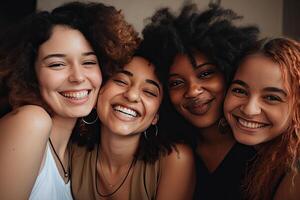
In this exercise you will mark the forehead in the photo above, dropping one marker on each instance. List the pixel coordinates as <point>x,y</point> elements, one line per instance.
<point>64,38</point>
<point>141,68</point>
<point>260,71</point>
<point>183,63</point>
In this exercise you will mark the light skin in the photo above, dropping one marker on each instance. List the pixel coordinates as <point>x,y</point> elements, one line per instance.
<point>127,105</point>
<point>197,93</point>
<point>69,77</point>
<point>257,103</point>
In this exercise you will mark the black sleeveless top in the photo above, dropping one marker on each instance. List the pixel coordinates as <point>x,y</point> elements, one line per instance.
<point>226,181</point>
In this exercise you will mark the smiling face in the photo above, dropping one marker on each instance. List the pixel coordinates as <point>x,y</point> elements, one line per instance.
<point>198,92</point>
<point>68,73</point>
<point>257,103</point>
<point>129,101</point>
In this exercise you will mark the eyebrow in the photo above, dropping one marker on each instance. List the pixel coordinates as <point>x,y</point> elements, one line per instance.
<point>153,83</point>
<point>203,64</point>
<point>267,89</point>
<point>197,67</point>
<point>239,82</point>
<point>128,73</point>
<point>275,89</point>
<point>60,55</point>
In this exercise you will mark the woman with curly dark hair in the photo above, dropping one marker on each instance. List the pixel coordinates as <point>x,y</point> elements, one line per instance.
<point>198,53</point>
<point>263,109</point>
<point>52,65</point>
<point>132,157</point>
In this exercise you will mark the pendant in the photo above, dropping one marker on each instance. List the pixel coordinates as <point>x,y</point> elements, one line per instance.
<point>66,175</point>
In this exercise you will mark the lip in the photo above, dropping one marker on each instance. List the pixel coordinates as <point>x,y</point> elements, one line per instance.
<point>199,107</point>
<point>124,115</point>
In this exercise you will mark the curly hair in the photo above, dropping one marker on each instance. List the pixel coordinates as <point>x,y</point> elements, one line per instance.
<point>211,32</point>
<point>103,26</point>
<point>281,155</point>
<point>155,145</point>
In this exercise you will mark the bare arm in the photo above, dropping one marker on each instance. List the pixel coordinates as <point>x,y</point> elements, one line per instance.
<point>178,177</point>
<point>288,190</point>
<point>23,137</point>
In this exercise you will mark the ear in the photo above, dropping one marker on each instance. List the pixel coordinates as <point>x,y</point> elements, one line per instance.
<point>155,119</point>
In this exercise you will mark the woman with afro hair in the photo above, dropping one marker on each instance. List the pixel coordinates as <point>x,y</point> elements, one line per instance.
<point>198,53</point>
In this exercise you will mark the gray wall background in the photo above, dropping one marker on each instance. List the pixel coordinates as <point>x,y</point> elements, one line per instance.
<point>267,14</point>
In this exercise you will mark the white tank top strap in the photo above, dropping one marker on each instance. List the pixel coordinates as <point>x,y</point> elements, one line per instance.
<point>49,185</point>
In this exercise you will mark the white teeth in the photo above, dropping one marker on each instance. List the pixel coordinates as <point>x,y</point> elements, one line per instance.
<point>75,95</point>
<point>127,111</point>
<point>250,124</point>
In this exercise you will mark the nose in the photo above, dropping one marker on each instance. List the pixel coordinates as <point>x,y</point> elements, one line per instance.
<point>132,94</point>
<point>76,74</point>
<point>193,90</point>
<point>251,107</point>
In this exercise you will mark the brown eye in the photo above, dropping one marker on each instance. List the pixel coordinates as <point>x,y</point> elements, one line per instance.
<point>205,74</point>
<point>239,92</point>
<point>175,83</point>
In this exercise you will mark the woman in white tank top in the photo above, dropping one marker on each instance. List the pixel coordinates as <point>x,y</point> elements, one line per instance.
<point>50,64</point>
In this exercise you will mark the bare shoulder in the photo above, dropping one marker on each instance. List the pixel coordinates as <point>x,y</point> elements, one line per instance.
<point>29,118</point>
<point>181,153</point>
<point>177,179</point>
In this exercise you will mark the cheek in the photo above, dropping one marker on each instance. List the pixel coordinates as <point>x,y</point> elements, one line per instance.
<point>229,103</point>
<point>96,78</point>
<point>176,97</point>
<point>280,117</point>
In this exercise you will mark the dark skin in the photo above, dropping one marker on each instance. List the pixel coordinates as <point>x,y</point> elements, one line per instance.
<point>197,93</point>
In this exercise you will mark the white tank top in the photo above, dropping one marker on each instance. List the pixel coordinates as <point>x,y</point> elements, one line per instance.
<point>49,185</point>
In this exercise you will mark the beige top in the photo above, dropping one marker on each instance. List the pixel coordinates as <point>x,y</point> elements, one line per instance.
<point>144,181</point>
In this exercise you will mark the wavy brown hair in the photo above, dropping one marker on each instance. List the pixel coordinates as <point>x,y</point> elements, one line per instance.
<point>281,155</point>
<point>104,27</point>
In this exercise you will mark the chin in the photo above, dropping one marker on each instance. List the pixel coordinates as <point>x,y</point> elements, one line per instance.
<point>246,140</point>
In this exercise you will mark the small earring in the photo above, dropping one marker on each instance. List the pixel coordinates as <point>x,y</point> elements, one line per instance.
<point>156,132</point>
<point>92,121</point>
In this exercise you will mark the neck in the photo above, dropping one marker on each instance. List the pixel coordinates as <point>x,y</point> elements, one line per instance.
<point>60,134</point>
<point>117,151</point>
<point>213,136</point>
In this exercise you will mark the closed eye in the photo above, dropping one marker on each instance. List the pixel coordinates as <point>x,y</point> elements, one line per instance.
<point>120,82</point>
<point>151,93</point>
<point>90,63</point>
<point>56,65</point>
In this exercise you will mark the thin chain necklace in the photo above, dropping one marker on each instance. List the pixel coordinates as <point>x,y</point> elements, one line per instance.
<point>104,177</point>
<point>66,172</point>
<point>121,184</point>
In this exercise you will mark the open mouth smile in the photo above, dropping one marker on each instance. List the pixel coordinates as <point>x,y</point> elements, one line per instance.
<point>249,123</point>
<point>75,95</point>
<point>126,111</point>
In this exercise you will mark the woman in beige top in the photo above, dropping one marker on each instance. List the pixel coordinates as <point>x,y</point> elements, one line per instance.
<point>133,158</point>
